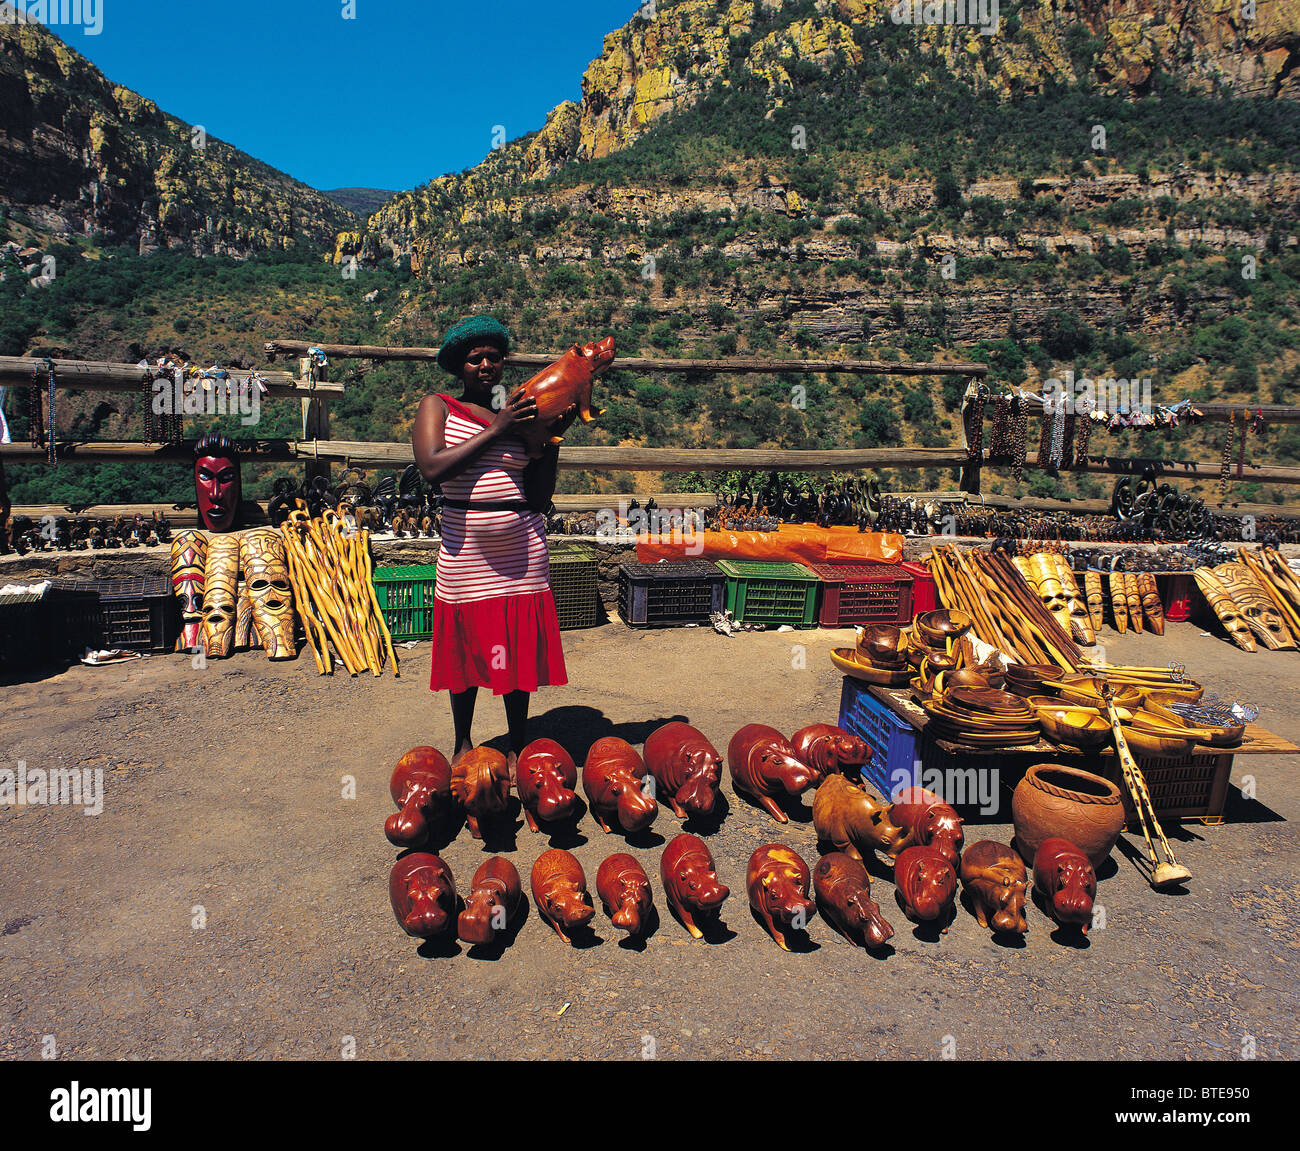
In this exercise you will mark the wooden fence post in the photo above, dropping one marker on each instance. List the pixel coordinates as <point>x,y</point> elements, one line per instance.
<point>315,419</point>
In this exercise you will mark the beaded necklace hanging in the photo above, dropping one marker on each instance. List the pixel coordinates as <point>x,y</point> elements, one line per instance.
<point>1000,440</point>
<point>973,421</point>
<point>1058,431</point>
<point>1226,464</point>
<point>1019,433</point>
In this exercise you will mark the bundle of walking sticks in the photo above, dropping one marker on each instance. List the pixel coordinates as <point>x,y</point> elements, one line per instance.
<point>329,566</point>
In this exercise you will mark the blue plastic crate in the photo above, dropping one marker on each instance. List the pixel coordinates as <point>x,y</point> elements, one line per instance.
<point>893,740</point>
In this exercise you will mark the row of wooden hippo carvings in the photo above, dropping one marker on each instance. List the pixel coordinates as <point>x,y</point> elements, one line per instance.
<point>679,766</point>
<point>423,891</point>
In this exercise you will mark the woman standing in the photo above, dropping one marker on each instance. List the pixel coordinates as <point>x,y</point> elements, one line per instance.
<point>494,621</point>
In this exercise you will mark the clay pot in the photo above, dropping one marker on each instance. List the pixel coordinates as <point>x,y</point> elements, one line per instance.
<point>1056,801</point>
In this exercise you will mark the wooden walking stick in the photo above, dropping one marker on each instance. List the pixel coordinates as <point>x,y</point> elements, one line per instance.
<point>1170,872</point>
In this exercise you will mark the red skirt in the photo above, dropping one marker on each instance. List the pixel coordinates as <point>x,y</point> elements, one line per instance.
<point>508,643</point>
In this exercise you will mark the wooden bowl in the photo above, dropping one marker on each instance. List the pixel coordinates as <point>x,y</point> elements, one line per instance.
<point>882,642</point>
<point>936,627</point>
<point>1081,728</point>
<point>842,658</point>
<point>1157,746</point>
<point>1212,735</point>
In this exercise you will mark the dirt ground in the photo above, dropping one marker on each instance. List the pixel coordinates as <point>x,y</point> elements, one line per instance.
<point>231,899</point>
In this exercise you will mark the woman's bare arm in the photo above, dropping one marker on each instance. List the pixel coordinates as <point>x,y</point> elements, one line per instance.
<point>436,462</point>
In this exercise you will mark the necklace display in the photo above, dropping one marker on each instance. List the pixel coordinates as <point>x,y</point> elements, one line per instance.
<point>973,421</point>
<point>1019,433</point>
<point>1082,433</point>
<point>1226,464</point>
<point>1058,431</point>
<point>1000,440</point>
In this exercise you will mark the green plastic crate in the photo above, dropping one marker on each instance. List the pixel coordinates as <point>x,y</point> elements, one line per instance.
<point>574,586</point>
<point>776,593</point>
<point>405,596</point>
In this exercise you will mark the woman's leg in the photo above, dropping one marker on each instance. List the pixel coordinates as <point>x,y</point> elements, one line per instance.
<point>462,717</point>
<point>517,721</point>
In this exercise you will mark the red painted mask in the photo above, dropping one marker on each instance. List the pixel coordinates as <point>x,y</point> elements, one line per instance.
<point>217,487</point>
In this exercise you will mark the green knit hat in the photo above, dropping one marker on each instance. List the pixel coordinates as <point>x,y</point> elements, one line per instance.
<point>470,333</point>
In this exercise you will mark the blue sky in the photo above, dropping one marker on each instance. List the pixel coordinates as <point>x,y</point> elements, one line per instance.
<point>401,93</point>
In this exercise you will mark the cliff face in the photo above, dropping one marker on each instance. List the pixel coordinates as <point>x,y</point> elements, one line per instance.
<point>668,62</point>
<point>81,155</point>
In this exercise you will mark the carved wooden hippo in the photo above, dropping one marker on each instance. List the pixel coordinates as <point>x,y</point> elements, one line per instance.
<point>423,894</point>
<point>565,386</point>
<point>546,776</point>
<point>852,820</point>
<point>480,783</point>
<point>560,891</point>
<point>492,903</point>
<point>690,881</point>
<point>624,890</point>
<point>686,768</point>
<point>1066,881</point>
<point>843,890</point>
<point>994,875</point>
<point>926,885</point>
<point>928,820</point>
<point>828,749</point>
<point>611,777</point>
<point>763,764</point>
<point>420,782</point>
<point>777,880</point>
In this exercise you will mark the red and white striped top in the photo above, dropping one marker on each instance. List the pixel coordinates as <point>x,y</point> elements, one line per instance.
<point>486,554</point>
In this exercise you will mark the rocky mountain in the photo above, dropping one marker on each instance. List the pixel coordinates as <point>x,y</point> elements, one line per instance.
<point>82,156</point>
<point>673,55</point>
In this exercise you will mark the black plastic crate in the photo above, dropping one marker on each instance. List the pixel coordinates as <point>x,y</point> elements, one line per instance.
<point>669,594</point>
<point>575,586</point>
<point>140,614</point>
<point>37,630</point>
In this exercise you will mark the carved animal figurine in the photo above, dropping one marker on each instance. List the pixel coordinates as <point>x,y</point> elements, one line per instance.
<point>927,820</point>
<point>624,890</point>
<point>926,884</point>
<point>690,881</point>
<point>480,783</point>
<point>853,820</point>
<point>777,879</point>
<point>611,777</point>
<point>560,891</point>
<point>423,894</point>
<point>563,387</point>
<point>1066,881</point>
<point>828,749</point>
<point>494,898</point>
<point>995,877</point>
<point>686,768</point>
<point>762,763</point>
<point>843,890</point>
<point>421,781</point>
<point>546,775</point>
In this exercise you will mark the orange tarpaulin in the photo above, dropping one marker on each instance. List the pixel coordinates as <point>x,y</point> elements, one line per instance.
<point>797,543</point>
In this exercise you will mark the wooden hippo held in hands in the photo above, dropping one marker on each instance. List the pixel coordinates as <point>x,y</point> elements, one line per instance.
<point>423,894</point>
<point>611,777</point>
<point>828,749</point>
<point>624,890</point>
<point>546,776</point>
<point>777,879</point>
<point>926,884</point>
<point>420,782</point>
<point>560,891</point>
<point>1066,881</point>
<point>929,821</point>
<point>994,875</point>
<point>762,764</point>
<point>690,882</point>
<point>480,783</point>
<point>852,820</point>
<point>843,890</point>
<point>494,899</point>
<point>686,768</point>
<point>564,387</point>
